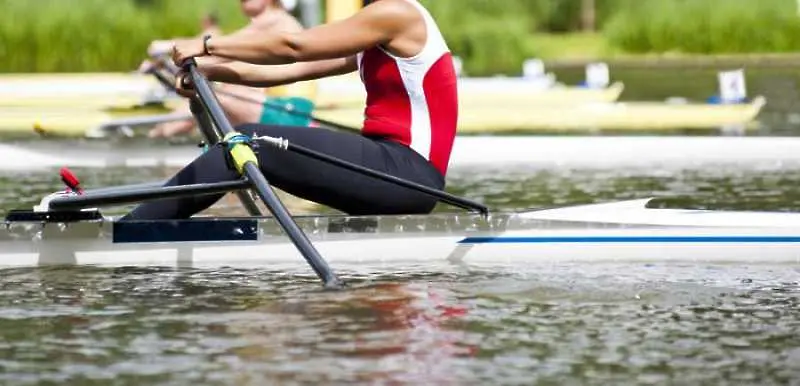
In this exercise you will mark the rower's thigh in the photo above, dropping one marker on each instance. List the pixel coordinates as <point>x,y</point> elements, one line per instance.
<point>335,186</point>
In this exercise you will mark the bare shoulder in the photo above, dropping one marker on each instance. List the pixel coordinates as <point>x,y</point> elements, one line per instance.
<point>392,10</point>
<point>281,22</point>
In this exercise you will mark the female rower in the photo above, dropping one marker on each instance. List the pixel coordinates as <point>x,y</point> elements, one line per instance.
<point>239,102</point>
<point>409,121</point>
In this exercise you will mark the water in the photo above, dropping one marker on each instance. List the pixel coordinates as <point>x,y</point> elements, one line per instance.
<point>431,324</point>
<point>554,324</point>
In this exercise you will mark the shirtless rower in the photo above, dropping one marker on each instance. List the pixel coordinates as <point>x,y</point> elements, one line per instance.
<point>266,16</point>
<point>409,121</point>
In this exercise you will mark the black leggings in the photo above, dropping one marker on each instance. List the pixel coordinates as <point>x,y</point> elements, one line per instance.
<point>314,180</point>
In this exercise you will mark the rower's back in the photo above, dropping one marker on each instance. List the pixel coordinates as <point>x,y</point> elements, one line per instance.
<point>413,100</point>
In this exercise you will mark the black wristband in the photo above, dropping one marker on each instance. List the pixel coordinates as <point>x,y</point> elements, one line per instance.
<point>205,44</point>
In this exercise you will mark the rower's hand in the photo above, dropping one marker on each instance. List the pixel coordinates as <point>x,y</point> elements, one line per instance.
<point>159,48</point>
<point>183,85</point>
<point>187,49</point>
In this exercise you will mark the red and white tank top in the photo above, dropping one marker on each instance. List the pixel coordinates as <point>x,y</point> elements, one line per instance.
<point>413,101</point>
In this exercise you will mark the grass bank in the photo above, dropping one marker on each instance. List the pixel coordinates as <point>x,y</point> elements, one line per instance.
<point>96,35</point>
<point>491,36</point>
<point>705,27</point>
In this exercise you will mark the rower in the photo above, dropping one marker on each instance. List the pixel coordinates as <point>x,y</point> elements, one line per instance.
<point>410,117</point>
<point>244,104</point>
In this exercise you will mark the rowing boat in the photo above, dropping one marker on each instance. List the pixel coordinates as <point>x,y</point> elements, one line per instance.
<point>123,90</point>
<point>98,90</point>
<point>348,92</point>
<point>63,229</point>
<point>618,231</point>
<point>627,116</point>
<point>621,117</point>
<point>83,122</point>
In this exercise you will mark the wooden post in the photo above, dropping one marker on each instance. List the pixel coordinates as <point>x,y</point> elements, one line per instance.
<point>588,15</point>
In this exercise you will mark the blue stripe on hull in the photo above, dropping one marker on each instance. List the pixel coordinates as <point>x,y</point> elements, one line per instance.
<point>184,231</point>
<point>630,239</point>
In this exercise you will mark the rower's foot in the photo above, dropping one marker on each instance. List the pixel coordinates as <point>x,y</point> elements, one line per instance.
<point>171,129</point>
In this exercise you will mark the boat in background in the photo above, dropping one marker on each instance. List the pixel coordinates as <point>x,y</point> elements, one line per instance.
<point>347,92</point>
<point>83,90</point>
<point>73,122</point>
<point>487,105</point>
<point>121,90</point>
<point>588,118</point>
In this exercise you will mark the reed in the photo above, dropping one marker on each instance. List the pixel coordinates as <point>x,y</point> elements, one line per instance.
<point>490,38</point>
<point>705,27</point>
<point>95,35</point>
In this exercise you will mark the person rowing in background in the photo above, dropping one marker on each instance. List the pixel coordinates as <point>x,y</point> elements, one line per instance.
<point>409,123</point>
<point>266,16</point>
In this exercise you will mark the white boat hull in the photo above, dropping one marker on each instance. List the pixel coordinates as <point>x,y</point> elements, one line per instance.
<point>556,236</point>
<point>664,246</point>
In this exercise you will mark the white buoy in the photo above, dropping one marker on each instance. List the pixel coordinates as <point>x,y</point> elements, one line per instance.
<point>732,87</point>
<point>533,69</point>
<point>597,75</point>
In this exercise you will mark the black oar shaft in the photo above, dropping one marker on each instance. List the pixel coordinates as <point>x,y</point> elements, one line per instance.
<point>260,184</point>
<point>144,192</point>
<point>303,244</point>
<point>212,137</point>
<point>441,195</point>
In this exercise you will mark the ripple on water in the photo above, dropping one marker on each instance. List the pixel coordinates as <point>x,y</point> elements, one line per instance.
<point>567,323</point>
<point>562,323</point>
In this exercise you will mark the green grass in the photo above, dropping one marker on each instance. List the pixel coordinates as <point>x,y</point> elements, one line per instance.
<point>578,46</point>
<point>706,26</point>
<point>95,35</point>
<point>112,35</point>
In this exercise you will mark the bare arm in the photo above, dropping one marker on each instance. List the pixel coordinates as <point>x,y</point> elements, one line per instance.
<point>290,25</point>
<point>270,76</point>
<point>376,24</point>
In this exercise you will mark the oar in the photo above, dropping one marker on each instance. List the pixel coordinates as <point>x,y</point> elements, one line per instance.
<point>247,164</point>
<point>212,137</point>
<point>443,196</point>
<point>330,124</point>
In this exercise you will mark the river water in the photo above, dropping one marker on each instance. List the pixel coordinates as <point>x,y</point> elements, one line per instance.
<point>432,324</point>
